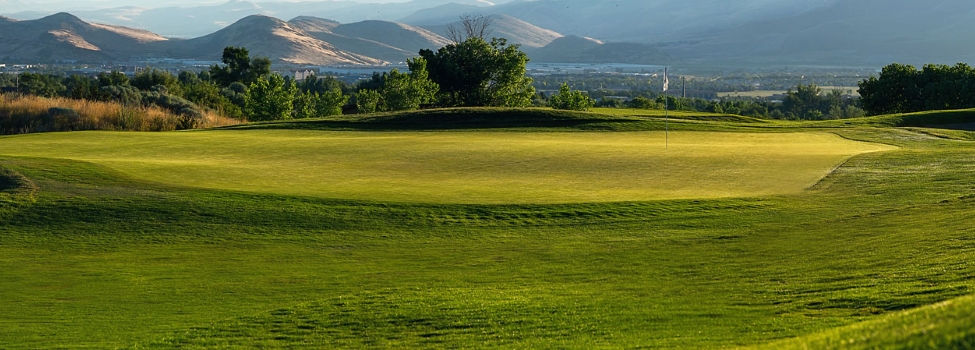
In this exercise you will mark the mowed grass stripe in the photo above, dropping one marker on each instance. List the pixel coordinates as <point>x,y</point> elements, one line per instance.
<point>463,167</point>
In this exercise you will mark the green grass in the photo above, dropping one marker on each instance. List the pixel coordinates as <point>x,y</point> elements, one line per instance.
<point>464,167</point>
<point>946,325</point>
<point>102,258</point>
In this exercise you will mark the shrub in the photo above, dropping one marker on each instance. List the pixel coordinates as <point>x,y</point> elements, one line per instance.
<point>30,114</point>
<point>570,100</point>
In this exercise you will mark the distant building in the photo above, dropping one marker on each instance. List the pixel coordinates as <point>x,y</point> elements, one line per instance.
<point>303,74</point>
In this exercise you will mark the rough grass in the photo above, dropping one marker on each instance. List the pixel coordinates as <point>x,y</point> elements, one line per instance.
<point>465,167</point>
<point>105,260</point>
<point>29,114</point>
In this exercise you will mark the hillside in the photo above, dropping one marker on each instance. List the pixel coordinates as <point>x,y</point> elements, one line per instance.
<point>873,32</point>
<point>641,20</point>
<point>64,36</point>
<point>515,30</point>
<point>193,20</point>
<point>267,37</point>
<point>388,41</point>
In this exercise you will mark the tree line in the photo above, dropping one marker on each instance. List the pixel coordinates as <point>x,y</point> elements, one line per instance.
<point>903,88</point>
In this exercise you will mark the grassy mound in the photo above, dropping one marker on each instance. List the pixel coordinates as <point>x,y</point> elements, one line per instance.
<point>946,325</point>
<point>464,166</point>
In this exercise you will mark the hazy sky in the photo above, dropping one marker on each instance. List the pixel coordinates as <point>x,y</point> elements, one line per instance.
<point>13,6</point>
<point>69,4</point>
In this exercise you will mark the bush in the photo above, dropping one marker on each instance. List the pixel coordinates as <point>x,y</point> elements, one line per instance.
<point>30,114</point>
<point>570,100</point>
<point>64,119</point>
<point>643,103</point>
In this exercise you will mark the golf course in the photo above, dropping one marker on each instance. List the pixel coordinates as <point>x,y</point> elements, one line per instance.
<point>510,228</point>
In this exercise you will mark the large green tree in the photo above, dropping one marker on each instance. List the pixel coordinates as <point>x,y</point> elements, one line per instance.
<point>475,72</point>
<point>894,91</point>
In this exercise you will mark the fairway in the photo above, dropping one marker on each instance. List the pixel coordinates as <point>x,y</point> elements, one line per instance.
<point>463,167</point>
<point>252,238</point>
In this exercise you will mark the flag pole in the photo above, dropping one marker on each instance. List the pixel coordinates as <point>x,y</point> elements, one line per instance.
<point>666,111</point>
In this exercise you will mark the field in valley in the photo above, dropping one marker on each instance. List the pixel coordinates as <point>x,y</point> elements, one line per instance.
<point>573,233</point>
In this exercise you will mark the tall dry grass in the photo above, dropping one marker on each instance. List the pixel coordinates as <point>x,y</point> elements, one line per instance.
<point>30,114</point>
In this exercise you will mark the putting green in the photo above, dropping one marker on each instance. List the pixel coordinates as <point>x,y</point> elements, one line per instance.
<point>462,167</point>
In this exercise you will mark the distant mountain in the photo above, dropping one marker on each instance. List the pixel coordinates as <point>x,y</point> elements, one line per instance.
<point>575,49</point>
<point>439,15</point>
<point>194,21</point>
<point>266,36</point>
<point>515,30</point>
<point>647,21</point>
<point>389,41</point>
<point>64,36</point>
<point>866,32</point>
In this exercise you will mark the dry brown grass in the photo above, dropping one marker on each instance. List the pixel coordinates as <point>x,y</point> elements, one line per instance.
<point>30,114</point>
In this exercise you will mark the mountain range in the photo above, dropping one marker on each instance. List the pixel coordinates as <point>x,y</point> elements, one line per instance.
<point>302,41</point>
<point>738,32</point>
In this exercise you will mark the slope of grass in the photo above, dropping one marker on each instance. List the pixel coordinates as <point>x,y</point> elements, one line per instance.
<point>103,259</point>
<point>16,192</point>
<point>464,167</point>
<point>945,325</point>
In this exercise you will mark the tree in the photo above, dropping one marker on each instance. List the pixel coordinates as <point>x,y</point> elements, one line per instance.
<point>804,102</point>
<point>81,87</point>
<point>408,91</point>
<point>478,73</point>
<point>157,80</point>
<point>642,103</point>
<point>208,94</point>
<point>896,90</point>
<point>312,104</point>
<point>367,101</point>
<point>115,78</point>
<point>40,85</point>
<point>567,99</point>
<point>239,67</point>
<point>269,99</point>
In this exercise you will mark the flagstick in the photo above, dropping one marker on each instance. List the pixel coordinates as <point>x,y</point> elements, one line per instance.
<point>666,111</point>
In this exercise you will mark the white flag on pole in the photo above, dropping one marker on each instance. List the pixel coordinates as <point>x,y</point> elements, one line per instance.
<point>666,81</point>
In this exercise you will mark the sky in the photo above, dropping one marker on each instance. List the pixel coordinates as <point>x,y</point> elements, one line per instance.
<point>38,5</point>
<point>10,6</point>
